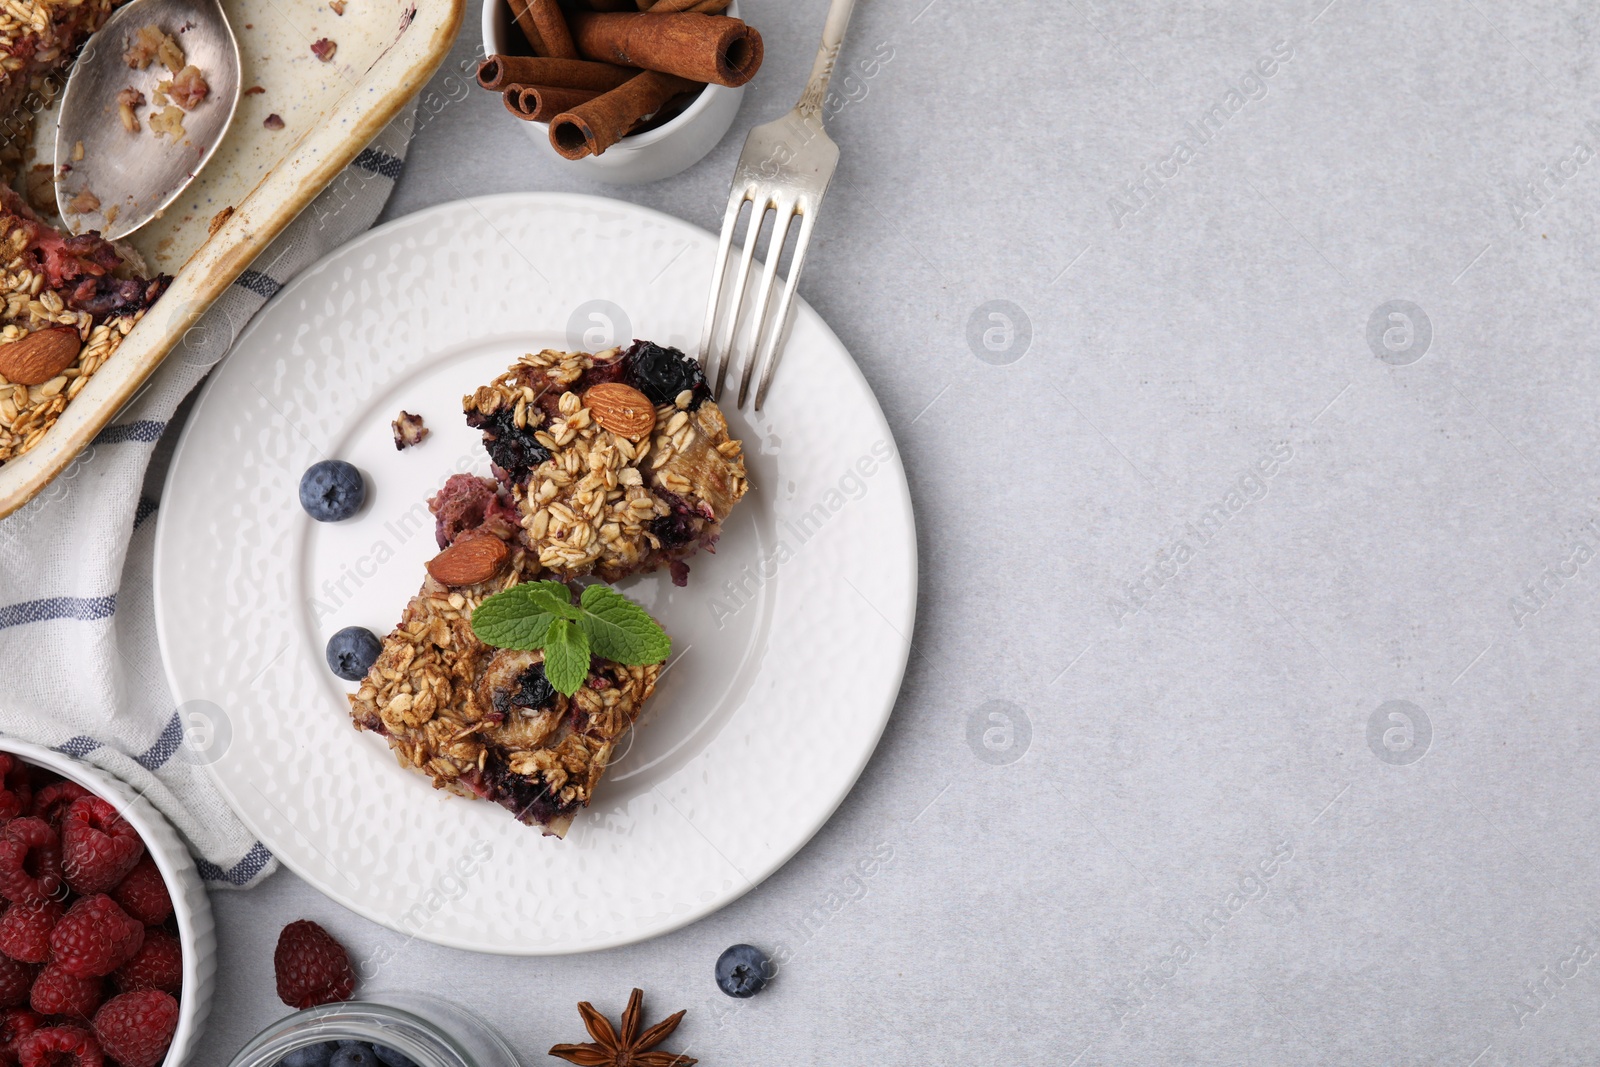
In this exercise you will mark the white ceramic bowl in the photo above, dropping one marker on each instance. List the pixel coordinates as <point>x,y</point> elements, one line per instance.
<point>196,932</point>
<point>668,149</point>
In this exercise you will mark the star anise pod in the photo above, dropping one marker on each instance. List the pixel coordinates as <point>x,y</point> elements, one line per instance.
<point>627,1049</point>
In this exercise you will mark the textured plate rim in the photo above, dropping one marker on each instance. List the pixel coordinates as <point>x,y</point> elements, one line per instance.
<point>894,669</point>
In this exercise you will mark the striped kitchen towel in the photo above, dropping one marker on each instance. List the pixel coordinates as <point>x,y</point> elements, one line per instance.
<point>77,624</point>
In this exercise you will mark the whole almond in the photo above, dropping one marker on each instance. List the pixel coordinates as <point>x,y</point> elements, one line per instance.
<point>470,561</point>
<point>40,356</point>
<point>622,409</point>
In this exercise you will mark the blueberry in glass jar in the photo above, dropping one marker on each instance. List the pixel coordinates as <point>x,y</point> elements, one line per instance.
<point>392,1058</point>
<point>354,1054</point>
<point>311,1055</point>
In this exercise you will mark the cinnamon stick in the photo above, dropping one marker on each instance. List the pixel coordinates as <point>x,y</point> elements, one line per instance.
<point>525,23</point>
<point>594,126</point>
<point>541,103</point>
<point>545,27</point>
<point>702,48</point>
<point>704,7</point>
<point>496,73</point>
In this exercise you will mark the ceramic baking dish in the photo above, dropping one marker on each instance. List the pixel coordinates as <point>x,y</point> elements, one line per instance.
<point>387,50</point>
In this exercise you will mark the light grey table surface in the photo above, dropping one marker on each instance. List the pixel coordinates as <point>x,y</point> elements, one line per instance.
<point>1198,518</point>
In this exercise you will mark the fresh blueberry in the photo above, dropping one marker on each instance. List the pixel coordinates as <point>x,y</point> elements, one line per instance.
<point>742,971</point>
<point>392,1058</point>
<point>332,490</point>
<point>310,1055</point>
<point>662,373</point>
<point>355,1054</point>
<point>352,652</point>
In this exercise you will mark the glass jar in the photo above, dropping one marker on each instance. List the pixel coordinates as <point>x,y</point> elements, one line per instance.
<point>429,1031</point>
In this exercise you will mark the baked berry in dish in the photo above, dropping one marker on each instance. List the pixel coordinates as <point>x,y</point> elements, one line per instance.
<point>482,721</point>
<point>618,462</point>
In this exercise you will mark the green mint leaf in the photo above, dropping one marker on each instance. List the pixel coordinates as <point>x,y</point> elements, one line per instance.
<point>620,630</point>
<point>512,619</point>
<point>553,597</point>
<point>566,656</point>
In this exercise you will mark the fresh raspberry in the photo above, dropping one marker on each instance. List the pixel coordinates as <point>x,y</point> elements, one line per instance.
<point>25,930</point>
<point>30,861</point>
<point>136,1028</point>
<point>157,965</point>
<point>94,937</point>
<point>60,1046</point>
<point>16,978</point>
<point>51,802</point>
<point>98,847</point>
<point>16,1024</point>
<point>15,792</point>
<point>55,992</point>
<point>312,967</point>
<point>143,894</point>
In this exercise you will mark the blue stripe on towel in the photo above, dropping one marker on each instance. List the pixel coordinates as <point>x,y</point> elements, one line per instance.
<point>258,283</point>
<point>146,431</point>
<point>158,753</point>
<point>240,873</point>
<point>371,159</point>
<point>82,608</point>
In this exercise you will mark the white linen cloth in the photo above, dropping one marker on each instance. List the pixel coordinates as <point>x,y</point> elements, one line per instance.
<point>77,623</point>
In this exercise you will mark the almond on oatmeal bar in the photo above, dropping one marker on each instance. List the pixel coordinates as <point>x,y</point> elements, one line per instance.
<point>604,485</point>
<point>484,722</point>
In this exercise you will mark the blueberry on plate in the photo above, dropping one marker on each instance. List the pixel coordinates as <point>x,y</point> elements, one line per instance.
<point>310,1055</point>
<point>332,490</point>
<point>352,652</point>
<point>392,1058</point>
<point>742,971</point>
<point>354,1054</point>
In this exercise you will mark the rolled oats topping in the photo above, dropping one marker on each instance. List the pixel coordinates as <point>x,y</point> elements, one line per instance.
<point>614,501</point>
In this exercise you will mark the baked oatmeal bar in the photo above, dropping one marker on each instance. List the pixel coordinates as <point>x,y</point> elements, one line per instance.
<point>50,280</point>
<point>482,721</point>
<point>602,487</point>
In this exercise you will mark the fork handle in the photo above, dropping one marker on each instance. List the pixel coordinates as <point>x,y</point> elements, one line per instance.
<point>810,106</point>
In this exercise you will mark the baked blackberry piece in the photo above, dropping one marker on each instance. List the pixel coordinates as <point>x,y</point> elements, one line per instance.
<point>484,722</point>
<point>618,462</point>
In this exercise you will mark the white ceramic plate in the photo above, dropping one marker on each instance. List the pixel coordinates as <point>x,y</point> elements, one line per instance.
<point>789,643</point>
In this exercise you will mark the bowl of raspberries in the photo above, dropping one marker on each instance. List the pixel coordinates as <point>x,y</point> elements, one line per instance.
<point>106,938</point>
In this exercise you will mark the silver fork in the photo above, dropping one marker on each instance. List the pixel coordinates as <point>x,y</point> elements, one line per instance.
<point>784,168</point>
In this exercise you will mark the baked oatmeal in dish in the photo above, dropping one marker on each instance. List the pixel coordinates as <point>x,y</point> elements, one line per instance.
<point>37,38</point>
<point>55,283</point>
<point>481,721</point>
<point>617,462</point>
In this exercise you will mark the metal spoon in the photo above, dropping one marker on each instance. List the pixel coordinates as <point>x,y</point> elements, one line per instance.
<point>133,176</point>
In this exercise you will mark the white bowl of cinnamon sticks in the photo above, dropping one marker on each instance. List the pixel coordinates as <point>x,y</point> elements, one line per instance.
<point>631,90</point>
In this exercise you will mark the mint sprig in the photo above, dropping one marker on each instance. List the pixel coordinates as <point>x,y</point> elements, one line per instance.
<point>541,615</point>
